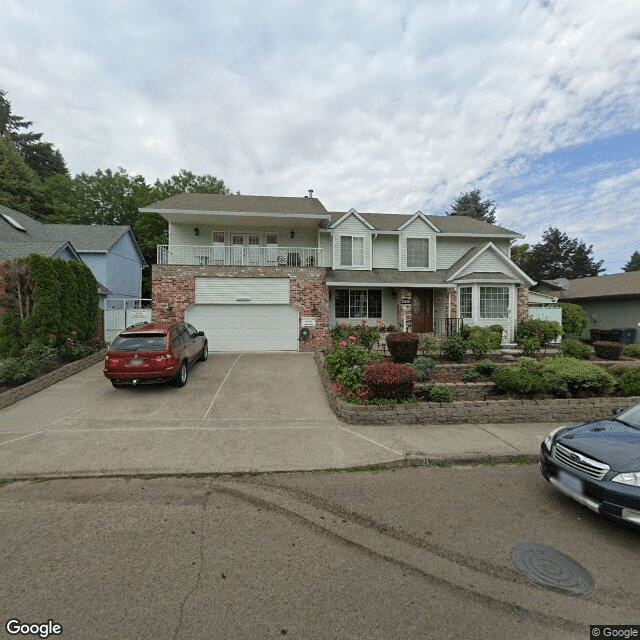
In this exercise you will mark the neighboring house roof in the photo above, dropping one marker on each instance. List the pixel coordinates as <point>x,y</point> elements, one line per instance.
<point>216,203</point>
<point>446,225</point>
<point>617,285</point>
<point>33,236</point>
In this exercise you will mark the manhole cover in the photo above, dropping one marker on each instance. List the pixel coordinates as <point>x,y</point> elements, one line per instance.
<point>552,569</point>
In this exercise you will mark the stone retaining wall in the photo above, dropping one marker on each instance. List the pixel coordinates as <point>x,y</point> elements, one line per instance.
<point>474,411</point>
<point>29,388</point>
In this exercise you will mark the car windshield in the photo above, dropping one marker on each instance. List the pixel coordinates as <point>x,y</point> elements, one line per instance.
<point>631,416</point>
<point>140,342</point>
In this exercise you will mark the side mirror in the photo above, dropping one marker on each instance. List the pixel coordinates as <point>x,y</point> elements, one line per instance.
<point>201,333</point>
<point>616,411</point>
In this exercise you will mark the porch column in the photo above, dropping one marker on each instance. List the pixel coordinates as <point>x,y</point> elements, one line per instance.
<point>404,308</point>
<point>522,303</point>
<point>453,302</point>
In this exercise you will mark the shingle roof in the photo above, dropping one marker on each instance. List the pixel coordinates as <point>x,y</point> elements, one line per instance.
<point>614,285</point>
<point>206,202</point>
<point>446,224</point>
<point>39,237</point>
<point>388,277</point>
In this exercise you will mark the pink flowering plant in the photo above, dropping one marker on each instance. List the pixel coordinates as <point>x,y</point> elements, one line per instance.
<point>362,333</point>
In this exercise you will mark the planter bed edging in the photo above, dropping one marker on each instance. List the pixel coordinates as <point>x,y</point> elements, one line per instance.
<point>27,389</point>
<point>474,411</point>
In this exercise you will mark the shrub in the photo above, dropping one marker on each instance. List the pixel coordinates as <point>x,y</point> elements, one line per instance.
<point>454,348</point>
<point>632,350</point>
<point>544,331</point>
<point>428,345</point>
<point>18,370</point>
<point>608,350</point>
<point>403,347</point>
<point>630,382</point>
<point>479,370</point>
<point>365,334</point>
<point>574,319</point>
<point>389,380</point>
<point>11,340</point>
<point>345,363</point>
<point>530,345</point>
<point>575,349</point>
<point>524,377</point>
<point>438,393</point>
<point>423,366</point>
<point>570,377</point>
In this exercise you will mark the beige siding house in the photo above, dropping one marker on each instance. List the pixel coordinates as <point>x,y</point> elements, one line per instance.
<point>265,273</point>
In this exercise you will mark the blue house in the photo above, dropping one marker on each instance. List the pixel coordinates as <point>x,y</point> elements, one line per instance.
<point>110,251</point>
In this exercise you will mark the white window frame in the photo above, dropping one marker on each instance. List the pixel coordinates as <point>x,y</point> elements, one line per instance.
<point>353,265</point>
<point>365,293</point>
<point>476,291</point>
<point>404,252</point>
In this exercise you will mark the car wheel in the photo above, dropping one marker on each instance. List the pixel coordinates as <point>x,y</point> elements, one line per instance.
<point>183,375</point>
<point>205,352</point>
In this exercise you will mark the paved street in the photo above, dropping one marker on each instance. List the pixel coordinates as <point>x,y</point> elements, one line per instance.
<point>404,553</point>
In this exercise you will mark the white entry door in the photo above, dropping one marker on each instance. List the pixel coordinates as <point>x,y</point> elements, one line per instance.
<point>245,249</point>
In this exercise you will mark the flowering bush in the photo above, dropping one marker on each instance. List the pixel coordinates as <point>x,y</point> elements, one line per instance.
<point>389,380</point>
<point>345,362</point>
<point>363,334</point>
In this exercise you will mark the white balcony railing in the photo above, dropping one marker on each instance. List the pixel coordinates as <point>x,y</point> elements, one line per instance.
<point>240,255</point>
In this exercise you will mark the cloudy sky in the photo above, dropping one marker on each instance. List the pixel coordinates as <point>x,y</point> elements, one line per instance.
<point>381,105</point>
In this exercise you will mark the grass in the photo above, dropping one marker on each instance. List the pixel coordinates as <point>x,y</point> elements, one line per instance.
<point>366,468</point>
<point>414,453</point>
<point>3,482</point>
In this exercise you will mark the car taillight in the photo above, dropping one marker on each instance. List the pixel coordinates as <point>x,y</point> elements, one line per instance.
<point>171,361</point>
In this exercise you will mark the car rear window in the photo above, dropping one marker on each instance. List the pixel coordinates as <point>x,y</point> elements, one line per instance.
<point>140,342</point>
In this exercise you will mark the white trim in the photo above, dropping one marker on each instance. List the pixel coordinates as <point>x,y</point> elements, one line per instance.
<point>419,214</point>
<point>505,258</point>
<point>392,285</point>
<point>359,267</point>
<point>201,212</point>
<point>351,212</point>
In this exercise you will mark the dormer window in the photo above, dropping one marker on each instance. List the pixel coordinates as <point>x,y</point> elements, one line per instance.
<point>352,251</point>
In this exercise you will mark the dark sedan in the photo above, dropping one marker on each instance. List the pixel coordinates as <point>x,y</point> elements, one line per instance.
<point>598,464</point>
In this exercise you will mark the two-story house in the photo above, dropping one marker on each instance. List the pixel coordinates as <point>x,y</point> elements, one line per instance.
<point>276,273</point>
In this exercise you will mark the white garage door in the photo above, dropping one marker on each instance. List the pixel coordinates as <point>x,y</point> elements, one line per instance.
<point>246,327</point>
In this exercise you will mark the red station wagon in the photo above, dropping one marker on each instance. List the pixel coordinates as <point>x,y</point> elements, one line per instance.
<point>154,352</point>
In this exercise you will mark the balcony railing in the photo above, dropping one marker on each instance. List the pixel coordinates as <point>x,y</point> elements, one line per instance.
<point>240,255</point>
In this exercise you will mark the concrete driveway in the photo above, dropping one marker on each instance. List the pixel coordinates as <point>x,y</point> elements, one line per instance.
<point>238,412</point>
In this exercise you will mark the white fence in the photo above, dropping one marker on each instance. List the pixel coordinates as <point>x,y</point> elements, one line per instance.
<point>240,255</point>
<point>546,313</point>
<point>122,313</point>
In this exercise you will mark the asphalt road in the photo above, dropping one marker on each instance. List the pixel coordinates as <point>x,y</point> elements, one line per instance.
<point>405,553</point>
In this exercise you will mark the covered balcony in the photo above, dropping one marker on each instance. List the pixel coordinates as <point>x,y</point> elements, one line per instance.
<point>240,255</point>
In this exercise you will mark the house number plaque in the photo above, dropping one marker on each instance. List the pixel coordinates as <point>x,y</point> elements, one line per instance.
<point>407,301</point>
<point>307,322</point>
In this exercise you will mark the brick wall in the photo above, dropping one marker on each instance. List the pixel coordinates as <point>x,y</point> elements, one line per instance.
<point>522,304</point>
<point>173,290</point>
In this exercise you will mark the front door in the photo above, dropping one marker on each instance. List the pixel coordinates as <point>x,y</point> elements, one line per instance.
<point>422,310</point>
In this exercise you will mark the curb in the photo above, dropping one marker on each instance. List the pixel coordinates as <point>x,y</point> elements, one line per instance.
<point>27,389</point>
<point>407,462</point>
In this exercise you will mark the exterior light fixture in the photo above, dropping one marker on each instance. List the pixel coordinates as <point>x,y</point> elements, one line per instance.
<point>196,231</point>
<point>293,233</point>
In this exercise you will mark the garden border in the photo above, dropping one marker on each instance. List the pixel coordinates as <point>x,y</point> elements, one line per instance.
<point>474,411</point>
<point>7,398</point>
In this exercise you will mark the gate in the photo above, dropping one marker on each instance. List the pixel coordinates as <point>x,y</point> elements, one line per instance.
<point>547,313</point>
<point>121,313</point>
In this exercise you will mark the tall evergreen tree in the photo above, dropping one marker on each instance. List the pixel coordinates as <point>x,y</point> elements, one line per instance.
<point>558,256</point>
<point>633,263</point>
<point>470,204</point>
<point>41,156</point>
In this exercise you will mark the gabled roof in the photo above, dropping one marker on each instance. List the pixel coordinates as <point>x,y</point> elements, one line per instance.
<point>466,262</point>
<point>217,203</point>
<point>607,286</point>
<point>32,236</point>
<point>446,225</point>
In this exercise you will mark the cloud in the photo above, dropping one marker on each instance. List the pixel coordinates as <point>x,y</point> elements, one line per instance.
<point>376,105</point>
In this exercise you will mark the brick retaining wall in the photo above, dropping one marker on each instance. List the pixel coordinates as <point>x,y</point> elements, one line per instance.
<point>474,411</point>
<point>29,388</point>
